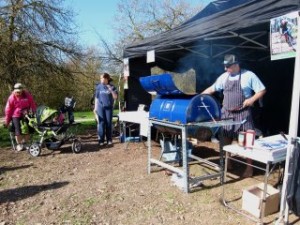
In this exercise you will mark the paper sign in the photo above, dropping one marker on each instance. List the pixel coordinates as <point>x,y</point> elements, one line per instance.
<point>126,67</point>
<point>151,56</point>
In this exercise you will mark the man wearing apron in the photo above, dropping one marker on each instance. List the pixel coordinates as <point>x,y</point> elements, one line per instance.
<point>241,88</point>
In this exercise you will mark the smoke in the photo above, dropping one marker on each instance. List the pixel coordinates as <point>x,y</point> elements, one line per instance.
<point>207,68</point>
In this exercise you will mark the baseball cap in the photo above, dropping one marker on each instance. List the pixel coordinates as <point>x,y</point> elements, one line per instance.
<point>18,87</point>
<point>230,59</point>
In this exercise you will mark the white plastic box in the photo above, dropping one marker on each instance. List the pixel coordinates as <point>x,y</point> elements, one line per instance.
<point>252,200</point>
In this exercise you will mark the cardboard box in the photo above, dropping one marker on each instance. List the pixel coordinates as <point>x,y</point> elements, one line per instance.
<point>252,200</point>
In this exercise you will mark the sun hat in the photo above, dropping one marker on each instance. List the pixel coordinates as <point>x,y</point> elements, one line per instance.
<point>18,87</point>
<point>230,59</point>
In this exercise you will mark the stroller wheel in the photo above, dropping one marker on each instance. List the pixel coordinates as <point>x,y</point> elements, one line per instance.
<point>34,149</point>
<point>76,146</point>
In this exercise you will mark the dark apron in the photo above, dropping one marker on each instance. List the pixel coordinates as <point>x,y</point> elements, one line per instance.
<point>232,103</point>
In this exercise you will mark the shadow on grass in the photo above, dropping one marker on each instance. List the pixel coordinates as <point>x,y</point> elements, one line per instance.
<point>20,193</point>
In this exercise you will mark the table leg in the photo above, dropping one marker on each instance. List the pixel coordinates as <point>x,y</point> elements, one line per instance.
<point>222,166</point>
<point>185,161</point>
<point>224,178</point>
<point>149,149</point>
<point>263,201</point>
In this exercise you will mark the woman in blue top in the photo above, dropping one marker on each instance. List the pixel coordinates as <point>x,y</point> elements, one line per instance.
<point>241,89</point>
<point>105,96</point>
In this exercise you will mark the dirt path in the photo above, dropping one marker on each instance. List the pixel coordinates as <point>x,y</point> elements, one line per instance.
<point>107,186</point>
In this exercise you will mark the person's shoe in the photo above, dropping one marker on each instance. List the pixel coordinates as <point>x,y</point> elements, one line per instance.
<point>20,147</point>
<point>109,143</point>
<point>26,146</point>
<point>101,144</point>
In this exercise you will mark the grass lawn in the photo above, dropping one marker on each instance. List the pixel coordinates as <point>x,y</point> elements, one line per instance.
<point>84,115</point>
<point>88,115</point>
<point>86,120</point>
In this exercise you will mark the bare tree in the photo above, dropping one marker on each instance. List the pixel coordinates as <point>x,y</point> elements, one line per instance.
<point>37,37</point>
<point>139,19</point>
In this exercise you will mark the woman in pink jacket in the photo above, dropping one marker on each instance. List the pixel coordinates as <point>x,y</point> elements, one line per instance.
<point>18,104</point>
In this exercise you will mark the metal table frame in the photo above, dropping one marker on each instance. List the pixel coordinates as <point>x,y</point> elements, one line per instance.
<point>270,165</point>
<point>123,128</point>
<point>138,118</point>
<point>184,172</point>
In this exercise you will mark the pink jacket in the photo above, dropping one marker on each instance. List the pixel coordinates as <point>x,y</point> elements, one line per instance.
<point>15,105</point>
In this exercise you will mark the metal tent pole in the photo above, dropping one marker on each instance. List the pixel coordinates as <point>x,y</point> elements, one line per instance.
<point>293,129</point>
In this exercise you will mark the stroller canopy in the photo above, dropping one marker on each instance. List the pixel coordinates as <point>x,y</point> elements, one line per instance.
<point>44,114</point>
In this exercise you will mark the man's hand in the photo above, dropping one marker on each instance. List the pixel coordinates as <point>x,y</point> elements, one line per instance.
<point>248,102</point>
<point>255,97</point>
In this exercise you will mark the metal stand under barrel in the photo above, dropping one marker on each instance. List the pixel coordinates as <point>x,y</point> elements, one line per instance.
<point>184,172</point>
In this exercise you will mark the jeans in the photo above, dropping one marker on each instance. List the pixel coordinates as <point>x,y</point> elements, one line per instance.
<point>104,126</point>
<point>70,115</point>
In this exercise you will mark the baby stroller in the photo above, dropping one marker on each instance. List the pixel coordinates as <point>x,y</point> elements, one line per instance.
<point>53,132</point>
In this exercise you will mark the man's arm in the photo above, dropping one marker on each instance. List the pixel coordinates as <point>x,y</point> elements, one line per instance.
<point>210,90</point>
<point>254,98</point>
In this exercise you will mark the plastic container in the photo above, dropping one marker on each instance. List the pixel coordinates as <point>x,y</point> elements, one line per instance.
<point>177,102</point>
<point>184,109</point>
<point>242,138</point>
<point>132,139</point>
<point>249,138</point>
<point>122,138</point>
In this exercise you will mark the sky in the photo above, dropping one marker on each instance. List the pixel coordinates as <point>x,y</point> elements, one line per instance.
<point>95,17</point>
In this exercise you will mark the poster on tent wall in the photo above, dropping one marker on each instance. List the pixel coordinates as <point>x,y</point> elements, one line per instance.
<point>283,36</point>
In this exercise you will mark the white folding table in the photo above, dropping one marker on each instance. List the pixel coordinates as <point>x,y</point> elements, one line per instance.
<point>263,152</point>
<point>139,117</point>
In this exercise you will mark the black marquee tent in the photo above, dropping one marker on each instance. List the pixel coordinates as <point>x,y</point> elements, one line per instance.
<point>241,27</point>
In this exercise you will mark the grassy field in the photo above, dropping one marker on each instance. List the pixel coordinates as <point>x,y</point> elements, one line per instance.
<point>86,120</point>
<point>84,115</point>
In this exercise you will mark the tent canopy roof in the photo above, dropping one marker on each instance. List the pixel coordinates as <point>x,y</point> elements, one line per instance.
<point>222,26</point>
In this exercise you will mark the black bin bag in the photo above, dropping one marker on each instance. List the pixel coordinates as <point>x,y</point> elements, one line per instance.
<point>293,185</point>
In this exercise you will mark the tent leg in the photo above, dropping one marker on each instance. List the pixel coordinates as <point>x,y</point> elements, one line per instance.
<point>284,208</point>
<point>293,129</point>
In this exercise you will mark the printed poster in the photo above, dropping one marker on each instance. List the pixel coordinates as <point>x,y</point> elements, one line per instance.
<point>283,36</point>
